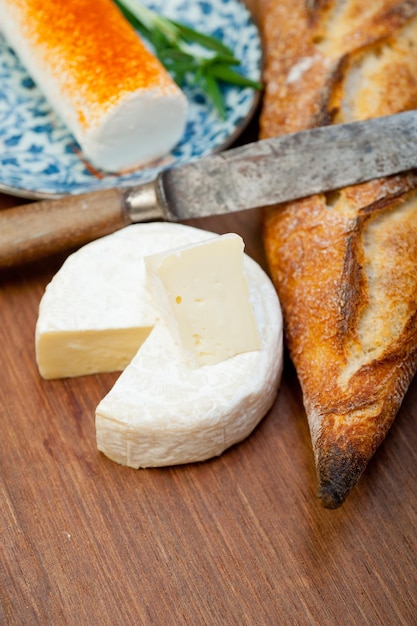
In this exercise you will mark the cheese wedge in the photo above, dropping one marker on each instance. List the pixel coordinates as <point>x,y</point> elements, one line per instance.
<point>97,310</point>
<point>189,283</point>
<point>162,412</point>
<point>113,94</point>
<point>344,263</point>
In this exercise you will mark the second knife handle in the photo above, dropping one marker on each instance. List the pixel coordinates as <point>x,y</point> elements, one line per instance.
<point>43,228</point>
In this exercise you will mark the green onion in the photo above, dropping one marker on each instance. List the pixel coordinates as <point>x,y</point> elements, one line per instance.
<point>189,56</point>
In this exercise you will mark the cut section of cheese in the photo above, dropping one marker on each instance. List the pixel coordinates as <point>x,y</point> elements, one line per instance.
<point>97,310</point>
<point>115,97</point>
<point>162,412</point>
<point>203,296</point>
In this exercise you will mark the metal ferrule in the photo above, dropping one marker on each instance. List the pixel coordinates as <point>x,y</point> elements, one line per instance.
<point>145,203</point>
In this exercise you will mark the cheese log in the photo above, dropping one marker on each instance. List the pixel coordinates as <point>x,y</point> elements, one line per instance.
<point>113,94</point>
<point>162,412</point>
<point>344,263</point>
<point>97,310</point>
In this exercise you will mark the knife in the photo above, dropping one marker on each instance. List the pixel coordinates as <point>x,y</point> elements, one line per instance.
<point>258,174</point>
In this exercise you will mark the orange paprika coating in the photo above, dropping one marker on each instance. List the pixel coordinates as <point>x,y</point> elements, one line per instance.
<point>94,48</point>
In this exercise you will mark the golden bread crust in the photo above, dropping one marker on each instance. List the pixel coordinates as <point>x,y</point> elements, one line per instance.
<point>344,263</point>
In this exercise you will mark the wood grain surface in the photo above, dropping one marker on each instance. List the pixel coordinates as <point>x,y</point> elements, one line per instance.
<point>237,540</point>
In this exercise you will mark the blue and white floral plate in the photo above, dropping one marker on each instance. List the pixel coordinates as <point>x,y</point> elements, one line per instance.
<point>39,158</point>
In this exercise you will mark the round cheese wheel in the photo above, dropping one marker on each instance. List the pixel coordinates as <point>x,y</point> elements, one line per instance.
<point>160,411</point>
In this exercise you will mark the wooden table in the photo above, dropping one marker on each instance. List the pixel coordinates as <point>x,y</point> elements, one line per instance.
<point>238,540</point>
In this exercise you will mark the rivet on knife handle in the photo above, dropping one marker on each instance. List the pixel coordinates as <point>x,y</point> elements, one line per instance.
<point>40,229</point>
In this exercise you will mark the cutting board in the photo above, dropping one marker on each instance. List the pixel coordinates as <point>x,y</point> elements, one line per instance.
<point>237,540</point>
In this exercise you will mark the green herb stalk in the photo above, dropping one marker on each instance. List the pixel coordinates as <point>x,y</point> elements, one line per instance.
<point>186,53</point>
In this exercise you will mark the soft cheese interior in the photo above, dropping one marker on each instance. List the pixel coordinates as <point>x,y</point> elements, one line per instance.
<point>97,315</point>
<point>203,296</point>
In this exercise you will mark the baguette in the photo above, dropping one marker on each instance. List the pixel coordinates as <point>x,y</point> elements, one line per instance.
<point>344,262</point>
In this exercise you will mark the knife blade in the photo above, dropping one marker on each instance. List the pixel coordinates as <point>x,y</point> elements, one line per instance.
<point>258,174</point>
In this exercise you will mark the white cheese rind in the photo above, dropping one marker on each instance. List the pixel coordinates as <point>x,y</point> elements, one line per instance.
<point>123,112</point>
<point>161,412</point>
<point>203,295</point>
<point>101,290</point>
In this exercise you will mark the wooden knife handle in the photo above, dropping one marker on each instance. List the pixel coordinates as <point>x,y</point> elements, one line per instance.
<point>43,228</point>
